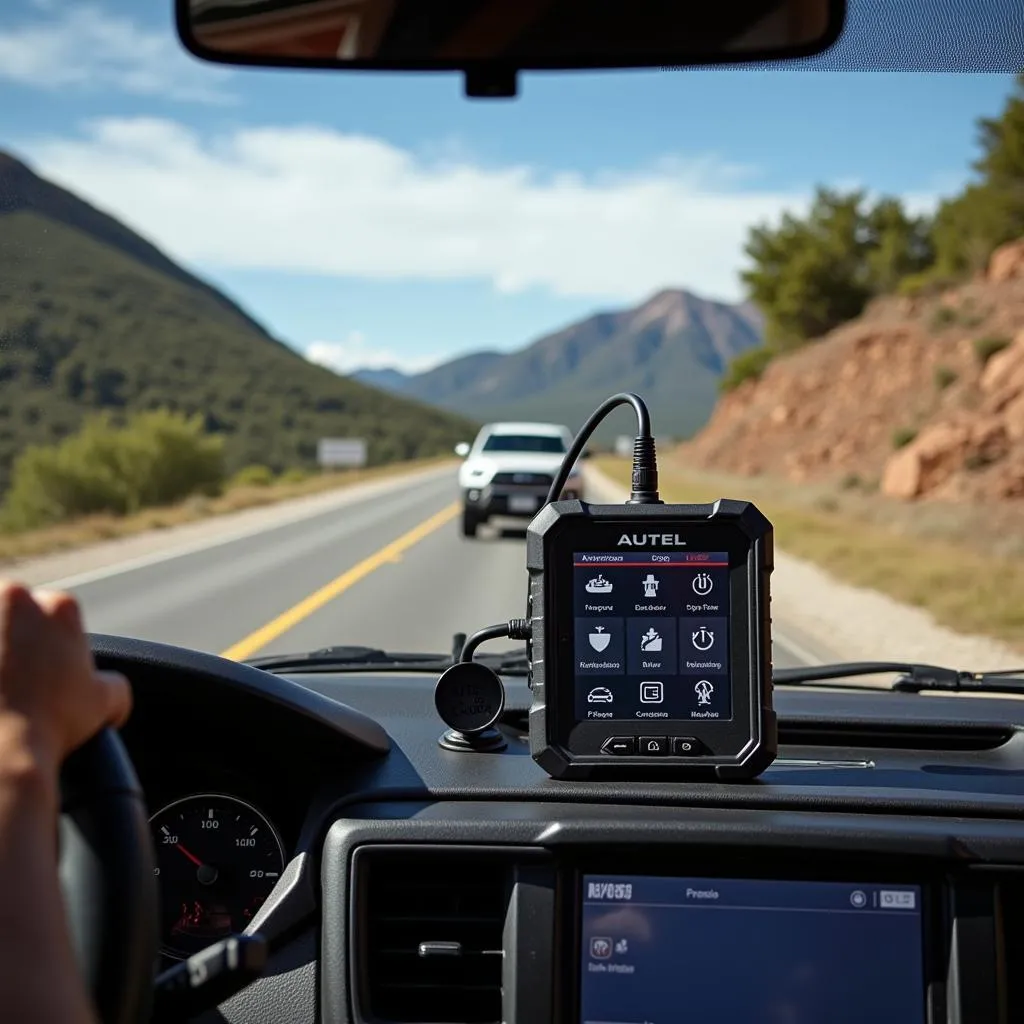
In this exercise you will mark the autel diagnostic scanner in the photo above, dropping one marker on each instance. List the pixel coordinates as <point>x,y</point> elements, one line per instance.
<point>650,631</point>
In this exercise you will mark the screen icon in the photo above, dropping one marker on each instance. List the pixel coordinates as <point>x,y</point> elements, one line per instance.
<point>652,693</point>
<point>598,585</point>
<point>599,695</point>
<point>704,689</point>
<point>703,639</point>
<point>651,640</point>
<point>897,899</point>
<point>600,947</point>
<point>702,584</point>
<point>654,746</point>
<point>622,946</point>
<point>599,639</point>
<point>651,584</point>
<point>858,898</point>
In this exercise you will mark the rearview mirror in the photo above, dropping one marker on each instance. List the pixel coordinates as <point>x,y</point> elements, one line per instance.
<point>493,39</point>
<point>462,449</point>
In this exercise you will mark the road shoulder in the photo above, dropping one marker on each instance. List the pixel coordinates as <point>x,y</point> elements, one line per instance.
<point>72,568</point>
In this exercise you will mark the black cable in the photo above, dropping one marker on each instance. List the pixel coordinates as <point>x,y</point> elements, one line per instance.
<point>514,629</point>
<point>645,463</point>
<point>644,491</point>
<point>458,642</point>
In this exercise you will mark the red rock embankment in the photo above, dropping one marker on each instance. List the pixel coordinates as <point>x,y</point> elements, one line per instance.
<point>922,396</point>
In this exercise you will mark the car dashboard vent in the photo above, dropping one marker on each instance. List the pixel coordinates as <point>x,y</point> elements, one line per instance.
<point>859,735</point>
<point>430,924</point>
<point>891,736</point>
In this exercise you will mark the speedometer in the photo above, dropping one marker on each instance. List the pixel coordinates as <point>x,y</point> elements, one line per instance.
<point>217,860</point>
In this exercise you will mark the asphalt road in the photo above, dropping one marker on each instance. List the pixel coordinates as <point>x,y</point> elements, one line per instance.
<point>389,571</point>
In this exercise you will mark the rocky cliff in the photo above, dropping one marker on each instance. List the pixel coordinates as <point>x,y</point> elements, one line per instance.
<point>922,396</point>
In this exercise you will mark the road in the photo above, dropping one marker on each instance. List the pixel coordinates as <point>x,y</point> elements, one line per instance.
<point>389,570</point>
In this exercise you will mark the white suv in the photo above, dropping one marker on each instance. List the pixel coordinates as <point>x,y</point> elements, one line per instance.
<point>509,469</point>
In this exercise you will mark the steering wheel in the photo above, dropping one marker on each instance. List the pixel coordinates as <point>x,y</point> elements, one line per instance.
<point>107,874</point>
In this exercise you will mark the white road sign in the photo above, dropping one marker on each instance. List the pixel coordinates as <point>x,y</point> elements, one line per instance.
<point>333,452</point>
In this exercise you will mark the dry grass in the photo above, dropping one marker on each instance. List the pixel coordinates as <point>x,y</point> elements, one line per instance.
<point>962,564</point>
<point>93,529</point>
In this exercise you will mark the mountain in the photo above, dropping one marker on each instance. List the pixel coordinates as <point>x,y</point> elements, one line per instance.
<point>387,378</point>
<point>672,349</point>
<point>95,319</point>
<point>23,190</point>
<point>918,397</point>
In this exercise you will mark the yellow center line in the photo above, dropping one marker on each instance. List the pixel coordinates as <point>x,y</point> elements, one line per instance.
<point>392,552</point>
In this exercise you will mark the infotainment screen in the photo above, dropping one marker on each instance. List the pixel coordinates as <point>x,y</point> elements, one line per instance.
<point>721,951</point>
<point>652,636</point>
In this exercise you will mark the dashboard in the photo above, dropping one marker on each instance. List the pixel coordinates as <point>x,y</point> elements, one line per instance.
<point>874,872</point>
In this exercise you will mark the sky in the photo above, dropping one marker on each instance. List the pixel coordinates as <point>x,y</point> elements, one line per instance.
<point>378,220</point>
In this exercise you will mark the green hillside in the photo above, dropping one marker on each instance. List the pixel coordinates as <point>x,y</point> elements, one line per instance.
<point>86,326</point>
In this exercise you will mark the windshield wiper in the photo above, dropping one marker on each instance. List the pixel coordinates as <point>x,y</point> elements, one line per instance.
<point>351,659</point>
<point>372,659</point>
<point>913,678</point>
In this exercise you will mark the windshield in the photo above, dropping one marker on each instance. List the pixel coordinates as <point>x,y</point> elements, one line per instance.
<point>251,322</point>
<point>524,443</point>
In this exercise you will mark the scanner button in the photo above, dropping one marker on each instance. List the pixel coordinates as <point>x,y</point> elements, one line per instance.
<point>686,746</point>
<point>621,745</point>
<point>653,746</point>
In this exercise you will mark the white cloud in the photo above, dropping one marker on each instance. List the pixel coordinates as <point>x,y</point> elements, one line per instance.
<point>310,200</point>
<point>87,47</point>
<point>306,199</point>
<point>354,354</point>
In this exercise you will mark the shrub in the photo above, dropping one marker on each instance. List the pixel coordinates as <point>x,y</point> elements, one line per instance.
<point>851,482</point>
<point>902,436</point>
<point>942,318</point>
<point>985,348</point>
<point>944,377</point>
<point>749,365</point>
<point>155,459</point>
<point>253,476</point>
<point>295,475</point>
<point>175,458</point>
<point>927,282</point>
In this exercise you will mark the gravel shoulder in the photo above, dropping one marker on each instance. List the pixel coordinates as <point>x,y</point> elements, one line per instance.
<point>831,620</point>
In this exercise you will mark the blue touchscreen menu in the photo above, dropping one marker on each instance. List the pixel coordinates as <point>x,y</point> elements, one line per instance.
<point>726,951</point>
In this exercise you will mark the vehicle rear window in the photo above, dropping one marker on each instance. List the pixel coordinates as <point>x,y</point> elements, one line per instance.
<point>524,443</point>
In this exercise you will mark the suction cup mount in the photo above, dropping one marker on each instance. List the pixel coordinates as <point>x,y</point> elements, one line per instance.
<point>470,698</point>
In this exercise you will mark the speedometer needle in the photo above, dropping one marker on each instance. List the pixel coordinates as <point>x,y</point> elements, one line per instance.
<point>205,874</point>
<point>191,856</point>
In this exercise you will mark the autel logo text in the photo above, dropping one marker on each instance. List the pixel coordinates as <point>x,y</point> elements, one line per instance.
<point>661,540</point>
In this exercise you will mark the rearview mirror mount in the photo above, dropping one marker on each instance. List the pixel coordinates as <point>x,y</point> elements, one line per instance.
<point>490,41</point>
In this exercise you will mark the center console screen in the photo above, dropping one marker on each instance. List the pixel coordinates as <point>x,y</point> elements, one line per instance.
<point>720,951</point>
<point>652,636</point>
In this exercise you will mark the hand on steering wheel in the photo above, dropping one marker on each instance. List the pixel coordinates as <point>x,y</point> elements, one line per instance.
<point>53,703</point>
<point>52,699</point>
